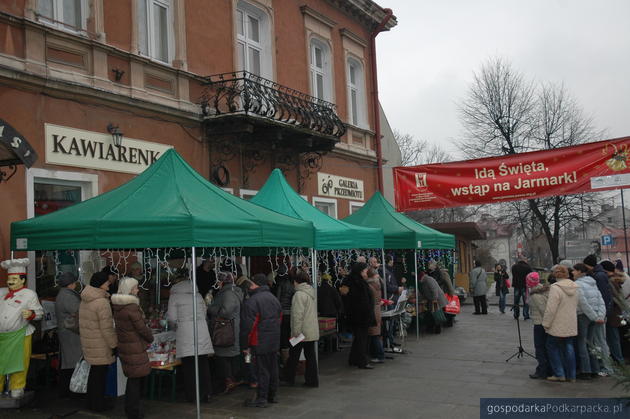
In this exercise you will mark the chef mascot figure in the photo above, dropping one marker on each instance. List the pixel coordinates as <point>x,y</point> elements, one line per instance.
<point>19,306</point>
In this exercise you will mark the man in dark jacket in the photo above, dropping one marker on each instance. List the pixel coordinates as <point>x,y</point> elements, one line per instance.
<point>260,336</point>
<point>206,277</point>
<point>519,271</point>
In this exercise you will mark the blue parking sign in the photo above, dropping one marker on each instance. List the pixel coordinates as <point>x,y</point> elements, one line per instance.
<point>607,240</point>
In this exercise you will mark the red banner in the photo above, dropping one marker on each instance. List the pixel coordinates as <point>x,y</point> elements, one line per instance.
<point>563,171</point>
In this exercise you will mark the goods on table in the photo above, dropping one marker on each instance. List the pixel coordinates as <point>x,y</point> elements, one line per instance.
<point>327,323</point>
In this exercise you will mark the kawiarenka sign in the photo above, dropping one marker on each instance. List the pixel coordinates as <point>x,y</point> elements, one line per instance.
<point>562,171</point>
<point>96,150</point>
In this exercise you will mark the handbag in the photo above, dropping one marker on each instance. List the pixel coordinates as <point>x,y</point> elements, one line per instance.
<point>438,315</point>
<point>222,332</point>
<point>79,380</point>
<point>453,306</point>
<point>71,322</point>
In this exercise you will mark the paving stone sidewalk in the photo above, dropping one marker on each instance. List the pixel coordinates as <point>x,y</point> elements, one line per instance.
<point>442,376</point>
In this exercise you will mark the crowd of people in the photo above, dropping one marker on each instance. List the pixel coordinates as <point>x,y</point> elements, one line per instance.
<point>250,331</point>
<point>579,316</point>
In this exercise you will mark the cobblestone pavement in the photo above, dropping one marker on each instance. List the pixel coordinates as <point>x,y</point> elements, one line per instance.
<point>442,376</point>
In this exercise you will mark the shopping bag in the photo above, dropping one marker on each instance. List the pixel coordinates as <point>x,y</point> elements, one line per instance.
<point>453,305</point>
<point>79,380</point>
<point>438,315</point>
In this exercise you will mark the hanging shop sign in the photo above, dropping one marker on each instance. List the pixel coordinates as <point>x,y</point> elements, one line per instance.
<point>14,149</point>
<point>562,171</point>
<point>339,187</point>
<point>96,150</point>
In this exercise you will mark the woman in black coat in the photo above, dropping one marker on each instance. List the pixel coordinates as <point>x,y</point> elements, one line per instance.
<point>501,287</point>
<point>360,314</point>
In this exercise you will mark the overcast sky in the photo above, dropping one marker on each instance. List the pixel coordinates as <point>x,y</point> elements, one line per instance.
<point>426,63</point>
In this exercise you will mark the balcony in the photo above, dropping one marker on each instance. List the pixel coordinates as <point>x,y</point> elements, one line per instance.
<point>253,109</point>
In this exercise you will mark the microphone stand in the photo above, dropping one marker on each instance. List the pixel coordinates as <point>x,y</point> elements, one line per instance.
<point>520,351</point>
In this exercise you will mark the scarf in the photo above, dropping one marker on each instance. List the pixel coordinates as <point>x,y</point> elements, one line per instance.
<point>12,293</point>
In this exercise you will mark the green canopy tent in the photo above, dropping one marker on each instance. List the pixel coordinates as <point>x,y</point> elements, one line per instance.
<point>168,205</point>
<point>401,232</point>
<point>330,233</point>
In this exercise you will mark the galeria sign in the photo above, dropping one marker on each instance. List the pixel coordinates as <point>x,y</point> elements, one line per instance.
<point>339,187</point>
<point>95,150</point>
<point>588,167</point>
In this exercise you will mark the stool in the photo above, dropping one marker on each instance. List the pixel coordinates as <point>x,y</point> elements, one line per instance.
<point>156,375</point>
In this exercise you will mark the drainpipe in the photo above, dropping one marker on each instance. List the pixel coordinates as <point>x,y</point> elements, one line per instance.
<point>377,115</point>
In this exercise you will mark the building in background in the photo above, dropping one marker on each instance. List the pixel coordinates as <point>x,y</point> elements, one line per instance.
<point>100,89</point>
<point>466,234</point>
<point>391,156</point>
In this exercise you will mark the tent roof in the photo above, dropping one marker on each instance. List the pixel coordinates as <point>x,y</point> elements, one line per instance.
<point>168,205</point>
<point>330,233</point>
<point>400,231</point>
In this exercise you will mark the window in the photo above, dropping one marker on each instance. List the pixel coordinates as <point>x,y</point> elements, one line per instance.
<point>356,94</point>
<point>229,190</point>
<point>253,40</point>
<point>155,29</point>
<point>321,84</point>
<point>247,194</point>
<point>49,191</point>
<point>65,14</point>
<point>326,205</point>
<point>355,206</point>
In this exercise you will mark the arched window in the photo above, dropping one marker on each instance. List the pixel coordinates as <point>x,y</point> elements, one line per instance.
<point>253,40</point>
<point>357,112</point>
<point>321,74</point>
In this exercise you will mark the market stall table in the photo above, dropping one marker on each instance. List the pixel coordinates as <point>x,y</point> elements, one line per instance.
<point>159,371</point>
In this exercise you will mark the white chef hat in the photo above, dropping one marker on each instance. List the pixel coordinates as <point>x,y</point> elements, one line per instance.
<point>15,266</point>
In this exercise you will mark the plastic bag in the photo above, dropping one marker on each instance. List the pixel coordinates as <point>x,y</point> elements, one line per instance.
<point>79,380</point>
<point>453,306</point>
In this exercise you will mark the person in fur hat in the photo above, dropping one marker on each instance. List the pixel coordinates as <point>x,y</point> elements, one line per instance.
<point>19,306</point>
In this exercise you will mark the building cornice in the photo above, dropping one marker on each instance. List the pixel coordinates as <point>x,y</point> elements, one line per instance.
<point>345,32</point>
<point>62,89</point>
<point>367,12</point>
<point>308,11</point>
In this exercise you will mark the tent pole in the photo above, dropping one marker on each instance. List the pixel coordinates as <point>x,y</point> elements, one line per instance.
<point>314,279</point>
<point>384,278</point>
<point>415,258</point>
<point>195,331</point>
<point>157,277</point>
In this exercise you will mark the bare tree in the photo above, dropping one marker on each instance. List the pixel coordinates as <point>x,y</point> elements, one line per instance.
<point>506,114</point>
<point>416,152</point>
<point>499,112</point>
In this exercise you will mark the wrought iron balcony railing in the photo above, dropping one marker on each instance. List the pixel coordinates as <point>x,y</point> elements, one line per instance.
<point>245,93</point>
